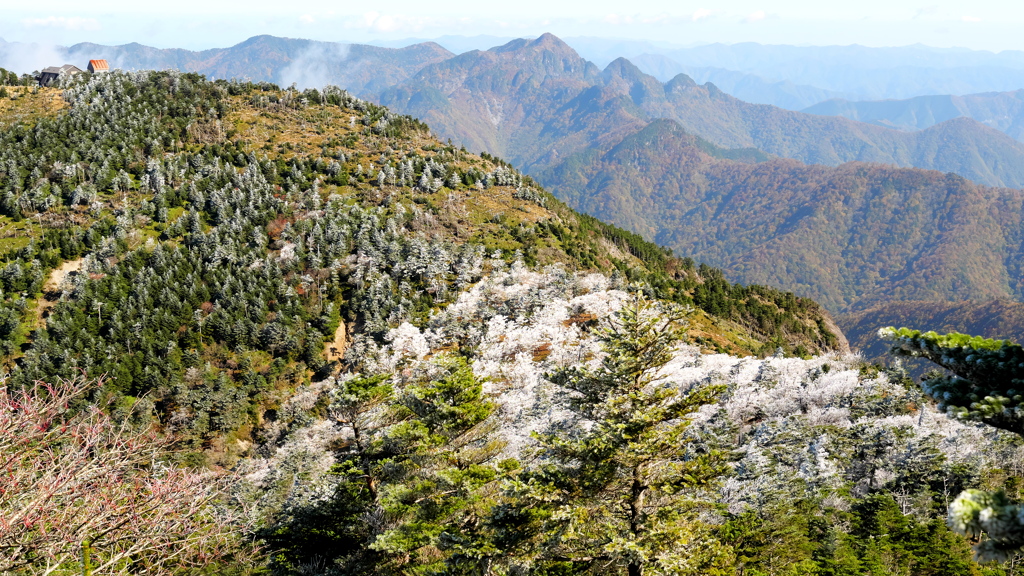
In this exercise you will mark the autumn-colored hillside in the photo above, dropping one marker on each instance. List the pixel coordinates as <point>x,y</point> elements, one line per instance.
<point>849,237</point>
<point>1001,319</point>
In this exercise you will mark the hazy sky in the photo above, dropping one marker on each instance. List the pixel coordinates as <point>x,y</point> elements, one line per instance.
<point>196,24</point>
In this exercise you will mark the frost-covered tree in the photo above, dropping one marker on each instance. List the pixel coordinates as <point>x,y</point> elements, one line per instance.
<point>985,383</point>
<point>626,490</point>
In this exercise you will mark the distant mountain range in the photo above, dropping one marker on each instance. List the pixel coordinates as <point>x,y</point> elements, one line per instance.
<point>751,56</point>
<point>749,87</point>
<point>537,101</point>
<point>792,77</point>
<point>1003,111</point>
<point>795,77</point>
<point>855,72</point>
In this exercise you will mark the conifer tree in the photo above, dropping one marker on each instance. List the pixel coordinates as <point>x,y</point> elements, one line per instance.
<point>985,383</point>
<point>445,459</point>
<point>623,493</point>
<point>411,470</point>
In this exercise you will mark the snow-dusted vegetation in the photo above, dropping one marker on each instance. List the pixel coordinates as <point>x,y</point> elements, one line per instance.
<point>347,348</point>
<point>830,430</point>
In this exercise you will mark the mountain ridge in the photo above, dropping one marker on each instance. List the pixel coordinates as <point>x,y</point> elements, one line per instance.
<point>1003,111</point>
<point>849,237</point>
<point>362,68</point>
<point>377,73</point>
<point>635,98</point>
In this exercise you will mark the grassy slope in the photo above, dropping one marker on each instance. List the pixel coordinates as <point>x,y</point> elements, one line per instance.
<point>25,105</point>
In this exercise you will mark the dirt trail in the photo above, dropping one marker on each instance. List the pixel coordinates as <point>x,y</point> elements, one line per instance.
<point>335,350</point>
<point>58,276</point>
<point>51,288</point>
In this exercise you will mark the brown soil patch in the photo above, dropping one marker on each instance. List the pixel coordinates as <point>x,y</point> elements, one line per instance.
<point>60,274</point>
<point>335,350</point>
<point>51,288</point>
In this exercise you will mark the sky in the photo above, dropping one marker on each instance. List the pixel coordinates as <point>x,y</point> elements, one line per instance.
<point>198,24</point>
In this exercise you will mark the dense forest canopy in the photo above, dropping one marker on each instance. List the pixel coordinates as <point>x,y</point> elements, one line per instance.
<point>204,259</point>
<point>353,349</point>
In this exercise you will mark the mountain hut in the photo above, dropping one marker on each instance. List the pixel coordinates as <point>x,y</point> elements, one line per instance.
<point>96,66</point>
<point>51,73</point>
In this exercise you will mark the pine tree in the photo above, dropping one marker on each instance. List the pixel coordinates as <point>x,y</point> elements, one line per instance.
<point>985,383</point>
<point>624,491</point>
<point>412,469</point>
<point>443,461</point>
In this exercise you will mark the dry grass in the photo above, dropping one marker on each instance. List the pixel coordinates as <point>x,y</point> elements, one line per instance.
<point>27,105</point>
<point>283,132</point>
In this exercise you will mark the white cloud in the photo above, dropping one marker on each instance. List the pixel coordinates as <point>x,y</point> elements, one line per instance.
<point>73,23</point>
<point>658,19</point>
<point>311,69</point>
<point>756,16</point>
<point>307,19</point>
<point>377,22</point>
<point>369,18</point>
<point>387,23</point>
<point>701,13</point>
<point>25,58</point>
<point>970,19</point>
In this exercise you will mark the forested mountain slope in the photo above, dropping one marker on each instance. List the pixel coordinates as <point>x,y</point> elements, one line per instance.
<point>326,332</point>
<point>850,236</point>
<point>836,464</point>
<point>537,101</point>
<point>174,234</point>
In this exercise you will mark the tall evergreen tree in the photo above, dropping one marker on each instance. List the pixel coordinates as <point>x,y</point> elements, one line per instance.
<point>412,467</point>
<point>435,485</point>
<point>622,492</point>
<point>985,382</point>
